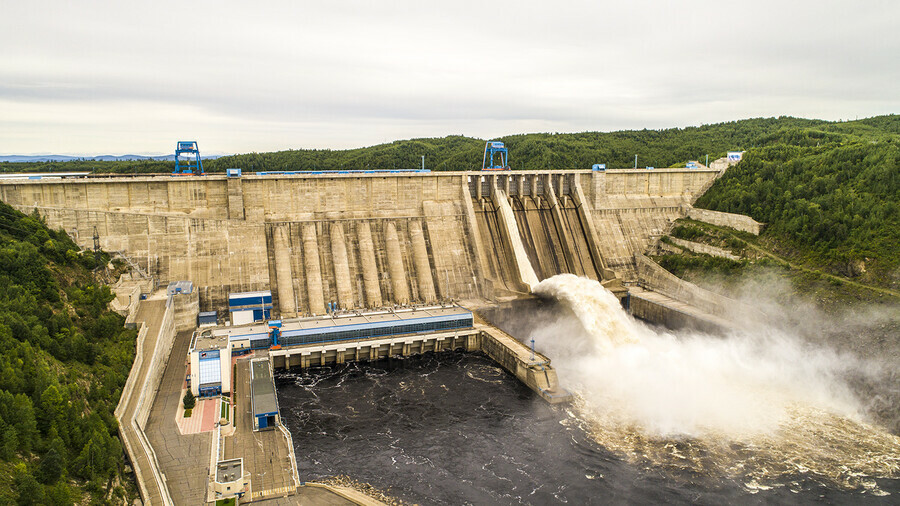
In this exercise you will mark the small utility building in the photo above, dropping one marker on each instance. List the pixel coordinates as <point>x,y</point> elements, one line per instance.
<point>262,395</point>
<point>210,364</point>
<point>249,307</point>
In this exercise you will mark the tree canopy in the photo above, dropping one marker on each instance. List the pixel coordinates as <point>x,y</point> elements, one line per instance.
<point>657,148</point>
<point>65,360</point>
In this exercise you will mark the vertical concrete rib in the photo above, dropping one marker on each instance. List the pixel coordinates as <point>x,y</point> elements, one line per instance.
<point>420,258</point>
<point>395,264</point>
<point>313,270</point>
<point>283,273</point>
<point>369,267</point>
<point>341,266</point>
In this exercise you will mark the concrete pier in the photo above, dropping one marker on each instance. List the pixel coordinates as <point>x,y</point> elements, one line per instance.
<point>369,268</point>
<point>283,272</point>
<point>423,268</point>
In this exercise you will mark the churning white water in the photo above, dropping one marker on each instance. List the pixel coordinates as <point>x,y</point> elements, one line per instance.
<point>640,388</point>
<point>690,384</point>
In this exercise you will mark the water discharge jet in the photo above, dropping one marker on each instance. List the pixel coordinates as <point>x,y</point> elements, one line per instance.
<point>759,403</point>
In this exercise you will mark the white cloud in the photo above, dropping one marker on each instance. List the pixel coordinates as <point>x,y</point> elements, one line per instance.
<point>116,77</point>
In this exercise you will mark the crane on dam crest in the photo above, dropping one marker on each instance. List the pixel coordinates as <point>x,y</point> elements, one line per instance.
<point>492,148</point>
<point>187,159</point>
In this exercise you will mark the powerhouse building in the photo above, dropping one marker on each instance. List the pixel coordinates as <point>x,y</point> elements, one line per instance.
<point>322,329</point>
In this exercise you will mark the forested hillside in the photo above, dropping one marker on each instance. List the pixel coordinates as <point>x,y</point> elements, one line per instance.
<point>829,199</point>
<point>64,362</point>
<point>657,148</point>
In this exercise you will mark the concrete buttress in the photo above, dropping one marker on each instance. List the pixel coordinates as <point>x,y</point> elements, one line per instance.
<point>420,257</point>
<point>369,267</point>
<point>395,264</point>
<point>510,232</point>
<point>341,266</point>
<point>283,272</point>
<point>313,271</point>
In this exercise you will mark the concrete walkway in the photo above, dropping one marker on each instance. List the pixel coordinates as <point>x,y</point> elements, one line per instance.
<point>183,459</point>
<point>150,313</point>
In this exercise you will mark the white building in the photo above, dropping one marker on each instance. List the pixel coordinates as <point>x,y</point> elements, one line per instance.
<point>210,364</point>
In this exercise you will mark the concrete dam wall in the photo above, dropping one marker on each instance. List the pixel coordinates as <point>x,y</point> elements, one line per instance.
<point>368,240</point>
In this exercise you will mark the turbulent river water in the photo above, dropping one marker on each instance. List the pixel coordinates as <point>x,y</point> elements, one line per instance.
<point>756,417</point>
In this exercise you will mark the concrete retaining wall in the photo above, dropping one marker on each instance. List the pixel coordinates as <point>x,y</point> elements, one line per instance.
<point>164,342</point>
<point>670,317</point>
<point>706,249</point>
<point>718,218</point>
<point>137,398</point>
<point>660,280</point>
<point>128,389</point>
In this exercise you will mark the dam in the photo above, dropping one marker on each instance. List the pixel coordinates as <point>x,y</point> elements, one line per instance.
<point>327,246</point>
<point>369,240</point>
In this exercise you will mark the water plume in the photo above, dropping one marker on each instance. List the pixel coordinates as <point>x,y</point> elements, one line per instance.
<point>753,402</point>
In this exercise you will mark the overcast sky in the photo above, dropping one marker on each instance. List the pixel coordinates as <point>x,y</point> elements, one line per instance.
<point>114,77</point>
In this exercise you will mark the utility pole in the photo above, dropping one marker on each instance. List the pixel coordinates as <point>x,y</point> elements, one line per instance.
<point>635,161</point>
<point>423,162</point>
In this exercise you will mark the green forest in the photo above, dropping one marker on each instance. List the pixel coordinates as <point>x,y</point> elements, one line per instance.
<point>828,199</point>
<point>655,148</point>
<point>65,360</point>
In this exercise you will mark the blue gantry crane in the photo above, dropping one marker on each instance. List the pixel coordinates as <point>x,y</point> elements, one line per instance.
<point>492,148</point>
<point>187,159</point>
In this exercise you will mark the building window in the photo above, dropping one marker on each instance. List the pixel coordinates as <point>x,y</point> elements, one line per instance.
<point>210,372</point>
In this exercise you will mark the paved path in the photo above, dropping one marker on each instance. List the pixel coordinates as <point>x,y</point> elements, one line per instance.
<point>184,459</point>
<point>203,417</point>
<point>150,312</point>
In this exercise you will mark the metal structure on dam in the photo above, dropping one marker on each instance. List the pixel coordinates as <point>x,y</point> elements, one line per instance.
<point>369,240</point>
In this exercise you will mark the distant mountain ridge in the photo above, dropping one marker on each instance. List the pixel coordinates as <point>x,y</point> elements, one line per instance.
<point>98,158</point>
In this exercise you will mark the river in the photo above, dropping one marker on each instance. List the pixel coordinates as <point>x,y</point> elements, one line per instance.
<point>454,428</point>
